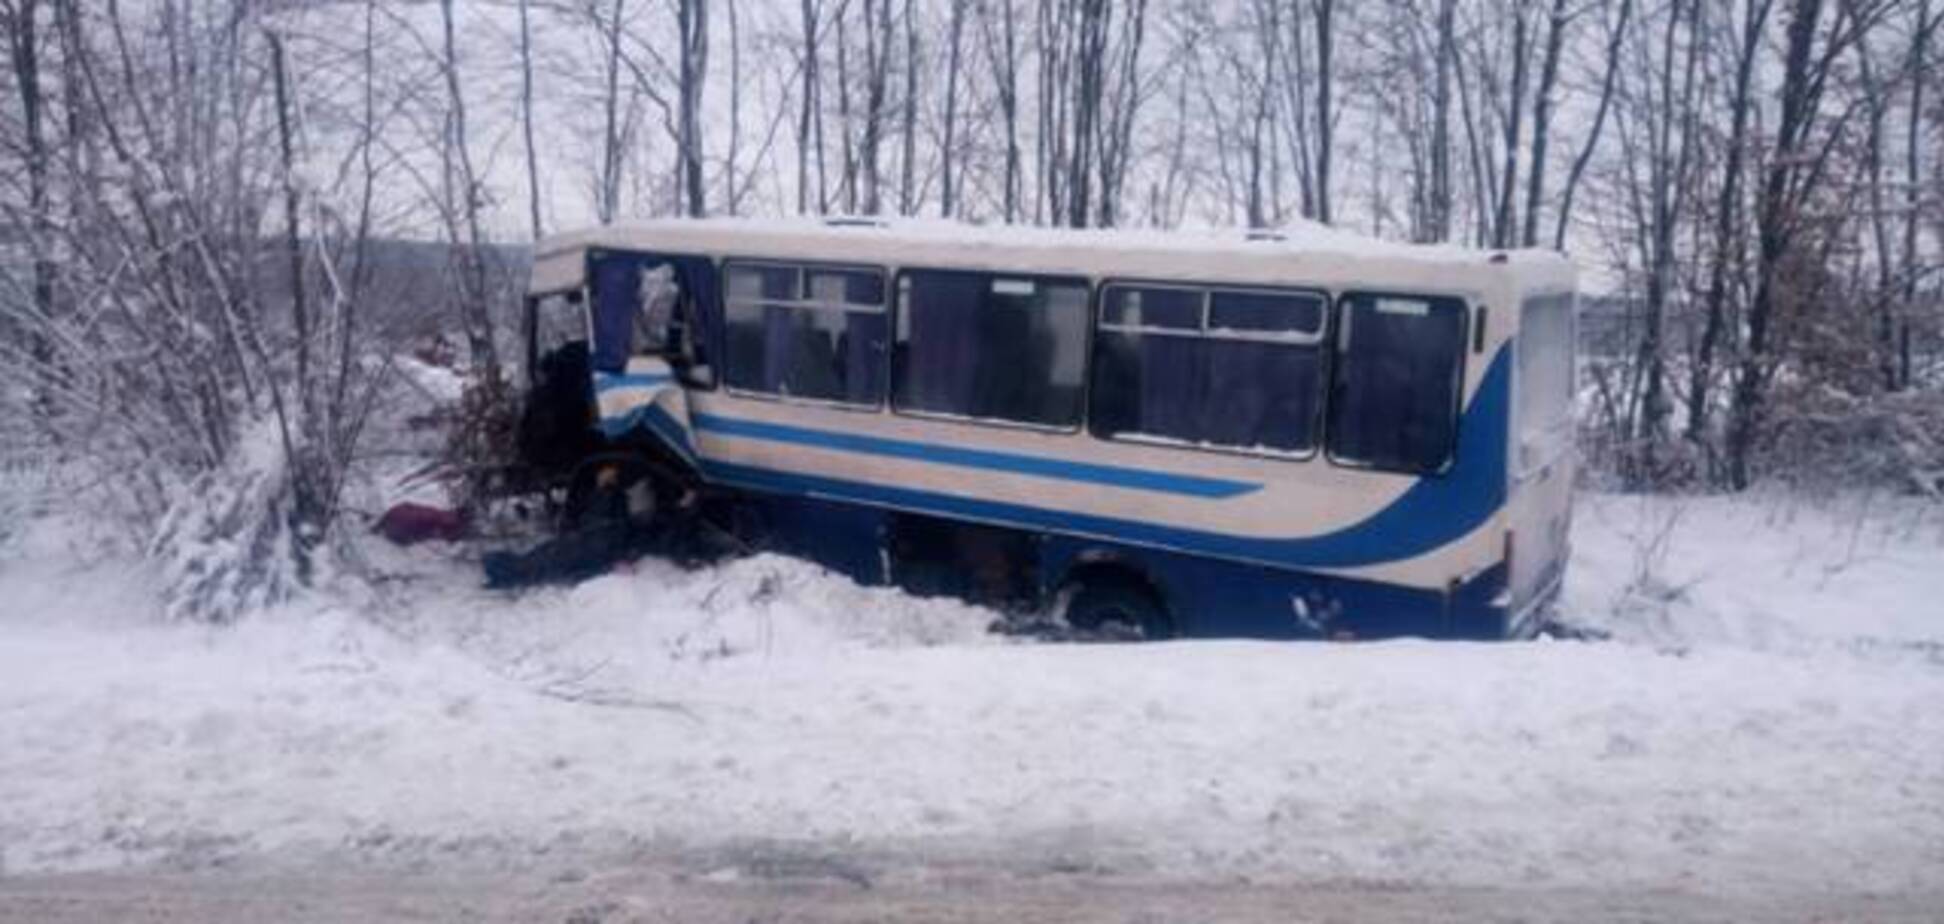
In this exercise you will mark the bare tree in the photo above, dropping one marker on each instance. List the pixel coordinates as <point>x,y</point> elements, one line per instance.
<point>1728,215</point>
<point>1796,169</point>
<point>808,102</point>
<point>526,117</point>
<point>1126,93</point>
<point>1660,197</point>
<point>461,206</point>
<point>1446,56</point>
<point>948,148</point>
<point>877,69</point>
<point>1504,225</point>
<point>1542,109</point>
<point>1090,60</point>
<point>1325,11</point>
<point>692,18</point>
<point>1918,68</point>
<point>21,20</point>
<point>1003,58</point>
<point>607,200</point>
<point>1617,32</point>
<point>907,163</point>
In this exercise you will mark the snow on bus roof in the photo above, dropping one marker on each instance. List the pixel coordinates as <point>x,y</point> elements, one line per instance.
<point>1261,255</point>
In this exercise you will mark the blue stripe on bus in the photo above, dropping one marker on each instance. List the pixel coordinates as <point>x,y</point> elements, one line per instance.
<point>1433,512</point>
<point>1037,466</point>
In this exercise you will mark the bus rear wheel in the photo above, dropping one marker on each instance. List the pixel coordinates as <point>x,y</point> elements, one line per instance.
<point>1116,610</point>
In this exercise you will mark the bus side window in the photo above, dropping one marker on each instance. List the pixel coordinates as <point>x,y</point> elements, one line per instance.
<point>811,332</point>
<point>1396,382</point>
<point>991,347</point>
<point>1232,369</point>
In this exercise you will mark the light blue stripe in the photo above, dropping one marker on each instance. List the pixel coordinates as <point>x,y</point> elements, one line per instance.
<point>1037,466</point>
<point>608,381</point>
<point>656,421</point>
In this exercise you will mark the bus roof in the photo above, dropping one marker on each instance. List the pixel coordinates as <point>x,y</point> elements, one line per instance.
<point>1304,254</point>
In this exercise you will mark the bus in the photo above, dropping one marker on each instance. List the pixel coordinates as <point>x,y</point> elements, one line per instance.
<point>1294,434</point>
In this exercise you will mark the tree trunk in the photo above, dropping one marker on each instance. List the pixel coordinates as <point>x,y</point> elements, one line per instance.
<point>877,55</point>
<point>293,239</point>
<point>1325,105</point>
<point>526,118</point>
<point>907,161</point>
<point>732,193</point>
<point>1086,109</point>
<point>1542,120</point>
<point>608,204</point>
<point>844,100</point>
<point>807,100</point>
<point>25,52</point>
<point>1441,195</point>
<point>463,184</point>
<point>1006,74</point>
<point>692,20</point>
<point>1504,230</point>
<point>1117,135</point>
<point>948,149</point>
<point>1913,170</point>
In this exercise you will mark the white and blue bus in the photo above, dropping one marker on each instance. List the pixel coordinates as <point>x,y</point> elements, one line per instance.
<point>1280,435</point>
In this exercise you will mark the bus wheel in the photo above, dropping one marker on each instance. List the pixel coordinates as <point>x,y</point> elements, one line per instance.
<point>1116,610</point>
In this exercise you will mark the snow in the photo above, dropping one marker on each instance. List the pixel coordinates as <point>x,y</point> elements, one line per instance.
<point>436,383</point>
<point>1778,573</point>
<point>1320,255</point>
<point>1299,235</point>
<point>1766,718</point>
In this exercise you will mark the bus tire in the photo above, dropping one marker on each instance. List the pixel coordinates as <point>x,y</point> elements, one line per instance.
<point>1116,609</point>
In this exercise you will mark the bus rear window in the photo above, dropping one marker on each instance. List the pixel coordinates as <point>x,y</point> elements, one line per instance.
<point>1545,384</point>
<point>1396,382</point>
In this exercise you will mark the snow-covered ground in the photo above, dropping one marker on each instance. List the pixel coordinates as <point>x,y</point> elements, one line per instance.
<point>1767,717</point>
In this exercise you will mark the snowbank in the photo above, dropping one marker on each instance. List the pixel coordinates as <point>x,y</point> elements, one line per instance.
<point>1772,572</point>
<point>1756,743</point>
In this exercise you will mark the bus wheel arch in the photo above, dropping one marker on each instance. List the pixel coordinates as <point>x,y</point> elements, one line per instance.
<point>1111,596</point>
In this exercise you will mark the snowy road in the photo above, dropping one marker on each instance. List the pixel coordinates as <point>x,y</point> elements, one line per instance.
<point>1766,733</point>
<point>650,892</point>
